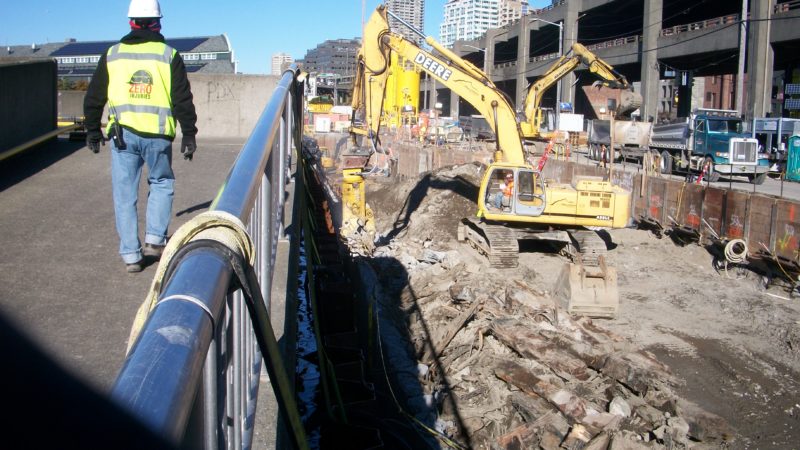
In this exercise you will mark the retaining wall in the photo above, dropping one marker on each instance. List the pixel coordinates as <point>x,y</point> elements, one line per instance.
<point>27,101</point>
<point>765,222</point>
<point>228,105</point>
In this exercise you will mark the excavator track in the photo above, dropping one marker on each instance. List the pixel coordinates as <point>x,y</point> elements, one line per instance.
<point>590,248</point>
<point>497,242</point>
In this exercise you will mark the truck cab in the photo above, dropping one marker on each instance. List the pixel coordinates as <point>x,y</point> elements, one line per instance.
<point>711,142</point>
<point>719,138</point>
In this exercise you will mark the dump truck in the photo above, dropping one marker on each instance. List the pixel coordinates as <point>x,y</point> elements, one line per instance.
<point>711,141</point>
<point>631,139</point>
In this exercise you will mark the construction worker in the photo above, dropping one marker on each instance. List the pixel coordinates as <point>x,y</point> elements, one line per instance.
<point>503,198</point>
<point>144,82</point>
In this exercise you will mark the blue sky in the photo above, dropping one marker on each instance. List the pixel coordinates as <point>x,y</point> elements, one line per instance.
<point>256,29</point>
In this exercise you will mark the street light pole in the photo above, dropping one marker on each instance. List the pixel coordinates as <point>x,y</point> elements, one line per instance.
<point>483,50</point>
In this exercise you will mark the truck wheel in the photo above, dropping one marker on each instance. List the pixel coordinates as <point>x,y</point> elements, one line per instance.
<point>711,174</point>
<point>666,163</point>
<point>758,178</point>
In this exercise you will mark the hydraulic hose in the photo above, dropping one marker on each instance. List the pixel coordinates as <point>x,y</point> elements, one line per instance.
<point>736,251</point>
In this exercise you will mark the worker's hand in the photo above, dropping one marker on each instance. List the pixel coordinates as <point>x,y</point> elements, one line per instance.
<point>94,139</point>
<point>188,147</point>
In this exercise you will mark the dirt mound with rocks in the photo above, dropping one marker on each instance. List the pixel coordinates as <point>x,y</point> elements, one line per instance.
<point>695,359</point>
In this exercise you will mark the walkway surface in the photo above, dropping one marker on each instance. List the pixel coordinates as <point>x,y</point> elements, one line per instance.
<point>62,282</point>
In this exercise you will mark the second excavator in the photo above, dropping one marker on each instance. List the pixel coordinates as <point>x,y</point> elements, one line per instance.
<point>533,124</point>
<point>514,201</point>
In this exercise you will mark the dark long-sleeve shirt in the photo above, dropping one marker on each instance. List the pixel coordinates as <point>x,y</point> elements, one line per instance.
<point>182,100</point>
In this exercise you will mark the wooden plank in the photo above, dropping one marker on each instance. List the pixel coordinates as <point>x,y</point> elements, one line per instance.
<point>655,199</point>
<point>690,207</point>
<point>436,348</point>
<point>735,214</point>
<point>637,370</point>
<point>760,222</point>
<point>787,230</point>
<point>523,339</point>
<point>713,206</point>
<point>570,404</point>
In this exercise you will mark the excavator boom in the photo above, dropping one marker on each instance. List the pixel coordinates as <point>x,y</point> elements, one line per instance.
<point>577,55</point>
<point>469,82</point>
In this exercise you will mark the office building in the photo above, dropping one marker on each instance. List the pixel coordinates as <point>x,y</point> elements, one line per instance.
<point>336,56</point>
<point>280,62</point>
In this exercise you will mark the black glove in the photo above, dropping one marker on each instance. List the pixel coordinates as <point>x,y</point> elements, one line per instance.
<point>188,147</point>
<point>94,139</point>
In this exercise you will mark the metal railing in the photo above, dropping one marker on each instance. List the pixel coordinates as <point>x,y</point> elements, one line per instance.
<point>192,376</point>
<point>787,6</point>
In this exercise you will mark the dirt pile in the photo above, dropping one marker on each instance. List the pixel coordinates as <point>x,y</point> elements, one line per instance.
<point>505,366</point>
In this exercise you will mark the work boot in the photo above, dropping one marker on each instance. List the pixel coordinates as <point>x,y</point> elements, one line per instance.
<point>135,267</point>
<point>153,251</point>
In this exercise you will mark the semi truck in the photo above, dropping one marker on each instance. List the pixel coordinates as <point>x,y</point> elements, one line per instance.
<point>712,142</point>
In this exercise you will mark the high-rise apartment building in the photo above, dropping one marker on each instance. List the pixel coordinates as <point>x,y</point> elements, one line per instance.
<point>511,10</point>
<point>468,19</point>
<point>411,11</point>
<point>280,61</point>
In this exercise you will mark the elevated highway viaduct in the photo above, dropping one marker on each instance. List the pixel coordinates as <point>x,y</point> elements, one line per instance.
<point>642,39</point>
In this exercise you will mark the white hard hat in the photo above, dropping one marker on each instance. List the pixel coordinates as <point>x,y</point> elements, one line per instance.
<point>140,9</point>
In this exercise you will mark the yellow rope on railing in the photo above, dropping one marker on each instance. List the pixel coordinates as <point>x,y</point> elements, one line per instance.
<point>214,225</point>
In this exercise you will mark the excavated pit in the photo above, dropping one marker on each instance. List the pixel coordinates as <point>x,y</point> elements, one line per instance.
<point>696,358</point>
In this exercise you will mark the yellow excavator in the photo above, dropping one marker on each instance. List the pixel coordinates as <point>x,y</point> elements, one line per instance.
<point>534,121</point>
<point>533,209</point>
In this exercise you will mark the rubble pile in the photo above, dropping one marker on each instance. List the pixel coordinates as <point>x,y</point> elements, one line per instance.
<point>498,363</point>
<point>508,368</point>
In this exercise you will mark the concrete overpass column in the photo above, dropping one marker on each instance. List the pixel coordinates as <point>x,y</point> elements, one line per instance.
<point>649,58</point>
<point>760,59</point>
<point>488,62</point>
<point>570,37</point>
<point>523,53</point>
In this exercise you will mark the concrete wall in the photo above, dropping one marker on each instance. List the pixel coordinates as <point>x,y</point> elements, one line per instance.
<point>70,103</point>
<point>227,105</point>
<point>27,101</point>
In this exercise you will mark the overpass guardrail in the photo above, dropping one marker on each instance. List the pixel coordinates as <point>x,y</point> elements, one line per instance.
<point>192,374</point>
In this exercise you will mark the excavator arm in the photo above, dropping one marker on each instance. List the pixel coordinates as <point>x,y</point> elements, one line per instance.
<point>563,66</point>
<point>462,77</point>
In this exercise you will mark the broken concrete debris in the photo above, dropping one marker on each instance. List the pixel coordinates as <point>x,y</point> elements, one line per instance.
<point>525,373</point>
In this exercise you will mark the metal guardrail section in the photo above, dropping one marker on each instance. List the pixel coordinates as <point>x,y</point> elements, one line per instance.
<point>710,23</point>
<point>787,6</point>
<point>193,374</point>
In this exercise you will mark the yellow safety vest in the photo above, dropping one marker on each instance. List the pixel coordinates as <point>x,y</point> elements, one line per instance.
<point>139,87</point>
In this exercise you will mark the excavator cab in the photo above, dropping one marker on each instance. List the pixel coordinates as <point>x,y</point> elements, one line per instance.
<point>528,193</point>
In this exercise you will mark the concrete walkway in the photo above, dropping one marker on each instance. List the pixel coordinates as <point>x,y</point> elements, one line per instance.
<point>61,278</point>
<point>62,283</point>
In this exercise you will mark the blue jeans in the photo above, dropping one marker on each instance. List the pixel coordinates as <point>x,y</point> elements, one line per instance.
<point>126,171</point>
<point>497,200</point>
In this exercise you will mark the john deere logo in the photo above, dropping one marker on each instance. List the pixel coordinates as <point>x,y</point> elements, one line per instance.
<point>141,85</point>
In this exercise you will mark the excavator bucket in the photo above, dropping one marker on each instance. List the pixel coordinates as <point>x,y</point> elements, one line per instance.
<point>589,291</point>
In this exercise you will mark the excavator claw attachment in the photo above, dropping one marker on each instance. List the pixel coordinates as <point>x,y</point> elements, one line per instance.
<point>588,285</point>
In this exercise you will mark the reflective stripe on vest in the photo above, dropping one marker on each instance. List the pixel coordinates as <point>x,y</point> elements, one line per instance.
<point>139,87</point>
